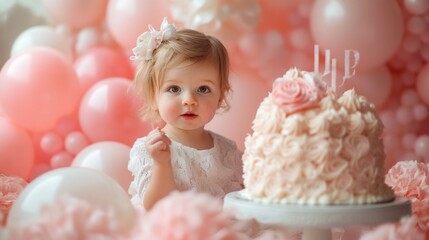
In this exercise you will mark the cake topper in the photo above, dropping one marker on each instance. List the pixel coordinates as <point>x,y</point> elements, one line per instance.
<point>331,65</point>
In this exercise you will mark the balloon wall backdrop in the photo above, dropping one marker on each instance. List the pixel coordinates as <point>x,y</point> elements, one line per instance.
<point>65,99</point>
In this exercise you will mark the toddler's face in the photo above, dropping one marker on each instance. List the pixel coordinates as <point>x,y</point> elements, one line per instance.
<point>189,95</point>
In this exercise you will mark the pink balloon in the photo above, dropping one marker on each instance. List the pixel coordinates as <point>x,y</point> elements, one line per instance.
<point>375,85</point>
<point>76,13</point>
<point>67,124</point>
<point>374,28</point>
<point>422,84</point>
<point>16,150</point>
<point>108,157</point>
<point>75,142</point>
<point>236,124</point>
<point>109,112</point>
<point>127,19</point>
<point>51,142</point>
<point>89,185</point>
<point>37,87</point>
<point>99,63</point>
<point>61,159</point>
<point>416,6</point>
<point>421,146</point>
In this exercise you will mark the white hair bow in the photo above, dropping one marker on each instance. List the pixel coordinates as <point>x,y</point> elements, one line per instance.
<point>150,40</point>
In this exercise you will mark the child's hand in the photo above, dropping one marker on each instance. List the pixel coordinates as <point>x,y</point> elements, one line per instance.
<point>158,146</point>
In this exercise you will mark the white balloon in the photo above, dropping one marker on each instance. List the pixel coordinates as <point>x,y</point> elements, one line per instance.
<point>42,36</point>
<point>92,186</point>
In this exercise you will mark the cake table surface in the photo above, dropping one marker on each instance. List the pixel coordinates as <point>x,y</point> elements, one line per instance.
<point>317,220</point>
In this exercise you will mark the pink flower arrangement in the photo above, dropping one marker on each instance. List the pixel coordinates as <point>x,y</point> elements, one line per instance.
<point>187,215</point>
<point>10,188</point>
<point>295,93</point>
<point>404,230</point>
<point>68,218</point>
<point>411,180</point>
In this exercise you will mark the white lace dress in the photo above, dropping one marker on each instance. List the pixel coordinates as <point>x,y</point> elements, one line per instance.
<point>216,171</point>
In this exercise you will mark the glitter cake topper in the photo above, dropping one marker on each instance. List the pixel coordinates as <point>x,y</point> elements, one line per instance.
<point>331,65</point>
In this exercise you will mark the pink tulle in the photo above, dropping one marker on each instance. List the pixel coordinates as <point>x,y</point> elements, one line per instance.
<point>69,219</point>
<point>411,180</point>
<point>187,215</point>
<point>404,230</point>
<point>10,188</point>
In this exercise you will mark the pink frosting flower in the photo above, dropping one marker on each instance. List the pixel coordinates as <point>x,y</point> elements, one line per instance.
<point>411,180</point>
<point>296,93</point>
<point>404,230</point>
<point>10,188</point>
<point>69,219</point>
<point>187,215</point>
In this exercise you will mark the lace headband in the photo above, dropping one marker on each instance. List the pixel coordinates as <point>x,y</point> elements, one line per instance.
<point>150,40</point>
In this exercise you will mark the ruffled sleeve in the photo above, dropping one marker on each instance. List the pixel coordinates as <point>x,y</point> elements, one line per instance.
<point>140,166</point>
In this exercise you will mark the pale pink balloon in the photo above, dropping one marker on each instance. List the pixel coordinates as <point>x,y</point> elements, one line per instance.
<point>16,150</point>
<point>43,36</point>
<point>67,124</point>
<point>109,112</point>
<point>76,13</point>
<point>375,85</point>
<point>38,169</point>
<point>416,6</point>
<point>248,93</point>
<point>404,115</point>
<point>420,112</point>
<point>374,28</point>
<point>61,159</point>
<point>86,184</point>
<point>108,157</point>
<point>409,140</point>
<point>100,63</point>
<point>421,146</point>
<point>422,83</point>
<point>38,87</point>
<point>75,142</point>
<point>416,25</point>
<point>127,19</point>
<point>51,142</point>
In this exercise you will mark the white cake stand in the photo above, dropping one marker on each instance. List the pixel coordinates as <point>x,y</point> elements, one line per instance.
<point>317,220</point>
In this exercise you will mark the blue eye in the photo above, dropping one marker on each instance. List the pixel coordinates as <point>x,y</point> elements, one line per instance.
<point>173,89</point>
<point>204,89</point>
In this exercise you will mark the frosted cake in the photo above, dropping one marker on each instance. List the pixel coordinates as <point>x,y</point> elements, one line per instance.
<point>309,146</point>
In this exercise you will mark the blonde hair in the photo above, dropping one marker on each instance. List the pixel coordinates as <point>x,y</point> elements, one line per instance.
<point>185,45</point>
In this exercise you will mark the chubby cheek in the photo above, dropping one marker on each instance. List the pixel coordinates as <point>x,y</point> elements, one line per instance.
<point>168,109</point>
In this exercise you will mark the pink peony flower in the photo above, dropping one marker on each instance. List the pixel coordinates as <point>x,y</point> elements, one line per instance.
<point>10,188</point>
<point>69,219</point>
<point>295,93</point>
<point>185,216</point>
<point>404,230</point>
<point>411,180</point>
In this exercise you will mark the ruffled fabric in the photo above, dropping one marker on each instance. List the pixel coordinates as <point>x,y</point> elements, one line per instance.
<point>216,171</point>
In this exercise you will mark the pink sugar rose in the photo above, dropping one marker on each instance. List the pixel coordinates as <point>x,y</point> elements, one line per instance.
<point>10,188</point>
<point>293,95</point>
